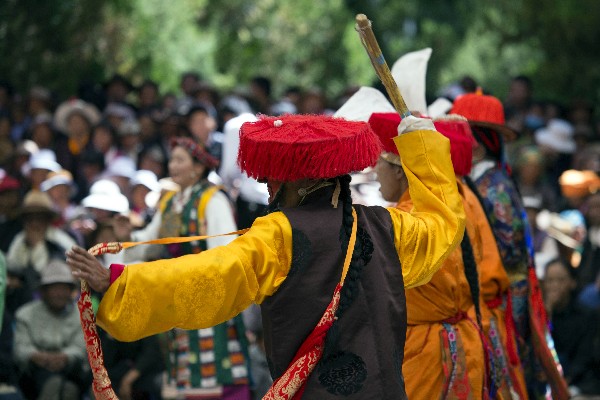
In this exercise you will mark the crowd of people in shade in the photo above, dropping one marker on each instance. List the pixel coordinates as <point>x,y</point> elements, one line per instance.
<point>95,168</point>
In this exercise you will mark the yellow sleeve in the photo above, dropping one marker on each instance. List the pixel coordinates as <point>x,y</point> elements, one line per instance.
<point>200,290</point>
<point>430,232</point>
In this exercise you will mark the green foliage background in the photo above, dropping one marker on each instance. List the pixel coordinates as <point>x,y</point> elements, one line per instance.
<point>60,43</point>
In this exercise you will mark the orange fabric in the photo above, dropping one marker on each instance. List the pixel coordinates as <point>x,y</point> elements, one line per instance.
<point>493,283</point>
<point>445,296</point>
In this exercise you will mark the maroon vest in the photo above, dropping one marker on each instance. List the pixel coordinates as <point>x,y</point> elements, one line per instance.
<point>365,347</point>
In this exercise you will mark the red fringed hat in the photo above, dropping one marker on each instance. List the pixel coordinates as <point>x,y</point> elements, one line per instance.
<point>385,125</point>
<point>293,147</point>
<point>457,129</point>
<point>196,150</point>
<point>485,111</point>
<point>454,128</point>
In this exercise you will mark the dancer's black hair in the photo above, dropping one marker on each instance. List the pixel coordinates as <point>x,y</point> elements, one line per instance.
<point>471,274</point>
<point>363,249</point>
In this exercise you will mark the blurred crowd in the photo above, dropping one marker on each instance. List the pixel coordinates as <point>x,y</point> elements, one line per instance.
<point>97,167</point>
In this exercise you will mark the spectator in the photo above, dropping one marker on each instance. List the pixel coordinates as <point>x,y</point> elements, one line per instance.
<point>574,329</point>
<point>38,242</point>
<point>529,173</point>
<point>199,208</point>
<point>49,346</point>
<point>61,189</point>
<point>589,268</point>
<point>121,170</point>
<point>557,146</point>
<point>117,113</point>
<point>260,94</point>
<point>129,138</point>
<point>10,224</point>
<point>153,158</point>
<point>148,97</point>
<point>117,88</point>
<point>40,165</point>
<point>202,127</point>
<point>134,368</point>
<point>544,246</point>
<point>75,118</point>
<point>8,373</point>
<point>105,141</point>
<point>142,183</point>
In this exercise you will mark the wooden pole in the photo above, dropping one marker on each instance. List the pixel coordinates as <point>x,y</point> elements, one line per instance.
<point>367,38</point>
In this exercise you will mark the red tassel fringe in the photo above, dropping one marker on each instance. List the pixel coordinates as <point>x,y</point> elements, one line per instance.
<point>306,147</point>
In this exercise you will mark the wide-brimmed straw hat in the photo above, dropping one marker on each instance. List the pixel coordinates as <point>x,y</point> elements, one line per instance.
<point>37,202</point>
<point>70,107</point>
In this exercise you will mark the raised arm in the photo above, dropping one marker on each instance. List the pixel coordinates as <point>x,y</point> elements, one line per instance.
<point>201,290</point>
<point>428,234</point>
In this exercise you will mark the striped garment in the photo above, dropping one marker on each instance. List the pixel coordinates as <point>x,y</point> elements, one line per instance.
<point>208,358</point>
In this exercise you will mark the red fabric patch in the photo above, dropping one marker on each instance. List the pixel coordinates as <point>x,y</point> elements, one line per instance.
<point>115,271</point>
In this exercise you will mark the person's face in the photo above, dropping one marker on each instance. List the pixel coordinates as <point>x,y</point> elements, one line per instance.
<point>129,142</point>
<point>37,222</point>
<point>557,284</point>
<point>59,193</point>
<point>200,125</point>
<point>101,216</point>
<point>519,92</point>
<point>138,196</point>
<point>390,180</point>
<point>530,173</point>
<point>117,91</point>
<point>90,171</point>
<point>148,96</point>
<point>182,168</point>
<point>151,164</point>
<point>57,295</point>
<point>38,176</point>
<point>42,136</point>
<point>77,125</point>
<point>188,84</point>
<point>102,139</point>
<point>147,128</point>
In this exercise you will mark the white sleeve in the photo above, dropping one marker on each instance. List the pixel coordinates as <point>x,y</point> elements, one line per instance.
<point>219,220</point>
<point>150,232</point>
<point>144,252</point>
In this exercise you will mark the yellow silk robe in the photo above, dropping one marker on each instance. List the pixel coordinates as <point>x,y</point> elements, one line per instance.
<point>445,296</point>
<point>202,290</point>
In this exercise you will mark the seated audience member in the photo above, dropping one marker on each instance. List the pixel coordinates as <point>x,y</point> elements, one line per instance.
<point>39,241</point>
<point>574,329</point>
<point>49,347</point>
<point>134,368</point>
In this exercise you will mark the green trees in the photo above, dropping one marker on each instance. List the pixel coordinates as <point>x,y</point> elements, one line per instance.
<point>303,42</point>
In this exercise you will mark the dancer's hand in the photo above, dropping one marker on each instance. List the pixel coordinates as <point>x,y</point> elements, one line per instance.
<point>85,266</point>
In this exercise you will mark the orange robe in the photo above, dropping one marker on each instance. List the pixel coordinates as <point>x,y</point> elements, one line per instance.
<point>494,285</point>
<point>436,312</point>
